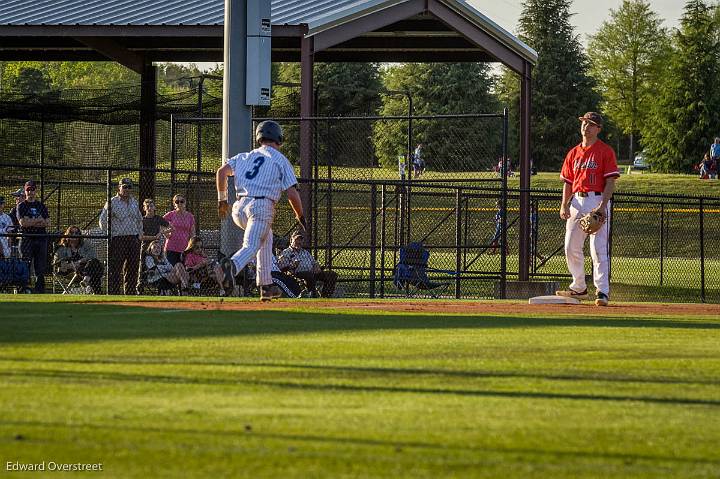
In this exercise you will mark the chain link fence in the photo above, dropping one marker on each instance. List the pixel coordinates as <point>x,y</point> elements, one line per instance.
<point>368,201</point>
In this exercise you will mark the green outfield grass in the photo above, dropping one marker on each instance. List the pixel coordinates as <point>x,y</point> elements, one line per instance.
<point>357,394</point>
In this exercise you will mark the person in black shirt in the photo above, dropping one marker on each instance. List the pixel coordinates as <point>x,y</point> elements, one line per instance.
<point>34,219</point>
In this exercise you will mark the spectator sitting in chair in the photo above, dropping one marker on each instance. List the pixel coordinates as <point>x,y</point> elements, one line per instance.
<point>708,168</point>
<point>76,257</point>
<point>301,263</point>
<point>153,228</point>
<point>201,268</point>
<point>158,267</point>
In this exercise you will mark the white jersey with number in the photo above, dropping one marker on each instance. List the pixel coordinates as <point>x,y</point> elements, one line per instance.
<point>262,172</point>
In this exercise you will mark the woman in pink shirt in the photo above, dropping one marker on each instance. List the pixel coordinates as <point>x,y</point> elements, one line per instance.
<point>183,227</point>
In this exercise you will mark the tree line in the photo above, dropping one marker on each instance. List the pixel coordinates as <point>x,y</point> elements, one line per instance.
<point>656,88</point>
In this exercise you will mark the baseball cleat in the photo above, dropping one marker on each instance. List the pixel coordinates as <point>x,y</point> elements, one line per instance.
<point>569,293</point>
<point>601,299</point>
<point>269,292</point>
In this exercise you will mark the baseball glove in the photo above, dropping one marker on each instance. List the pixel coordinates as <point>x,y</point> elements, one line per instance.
<point>592,222</point>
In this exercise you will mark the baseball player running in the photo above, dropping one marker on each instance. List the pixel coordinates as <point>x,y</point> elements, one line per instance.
<point>589,172</point>
<point>261,176</point>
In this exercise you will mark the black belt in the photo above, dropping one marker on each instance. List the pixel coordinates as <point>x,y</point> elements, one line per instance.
<point>253,197</point>
<point>583,194</point>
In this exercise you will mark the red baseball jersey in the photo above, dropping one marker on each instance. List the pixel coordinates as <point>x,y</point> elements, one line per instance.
<point>587,168</point>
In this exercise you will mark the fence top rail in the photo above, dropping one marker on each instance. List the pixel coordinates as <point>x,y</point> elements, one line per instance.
<point>191,119</point>
<point>620,194</point>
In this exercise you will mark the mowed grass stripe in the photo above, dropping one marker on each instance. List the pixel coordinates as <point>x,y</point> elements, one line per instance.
<point>328,394</point>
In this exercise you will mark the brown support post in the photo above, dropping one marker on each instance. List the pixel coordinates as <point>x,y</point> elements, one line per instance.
<point>525,102</point>
<point>148,92</point>
<point>306,126</point>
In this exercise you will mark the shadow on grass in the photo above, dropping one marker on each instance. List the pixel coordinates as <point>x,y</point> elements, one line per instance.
<point>395,445</point>
<point>93,376</point>
<point>386,373</point>
<point>59,322</point>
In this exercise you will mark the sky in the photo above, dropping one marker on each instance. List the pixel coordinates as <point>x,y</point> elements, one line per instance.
<point>587,17</point>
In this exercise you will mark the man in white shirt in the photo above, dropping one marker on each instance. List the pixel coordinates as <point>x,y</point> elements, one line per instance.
<point>124,248</point>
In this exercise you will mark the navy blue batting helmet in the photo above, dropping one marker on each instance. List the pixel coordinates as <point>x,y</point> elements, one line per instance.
<point>269,130</point>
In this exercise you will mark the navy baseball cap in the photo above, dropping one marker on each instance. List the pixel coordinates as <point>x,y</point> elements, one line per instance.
<point>30,184</point>
<point>125,181</point>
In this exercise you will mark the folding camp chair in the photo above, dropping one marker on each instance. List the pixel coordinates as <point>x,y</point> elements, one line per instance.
<point>411,272</point>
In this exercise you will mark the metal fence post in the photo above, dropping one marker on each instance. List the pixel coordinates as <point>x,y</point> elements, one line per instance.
<point>108,233</point>
<point>173,155</point>
<point>702,251</point>
<point>382,240</point>
<point>42,160</point>
<point>662,242</point>
<point>458,240</point>
<point>373,237</point>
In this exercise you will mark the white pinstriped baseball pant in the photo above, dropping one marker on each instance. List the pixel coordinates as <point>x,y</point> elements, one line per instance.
<point>255,216</point>
<point>575,241</point>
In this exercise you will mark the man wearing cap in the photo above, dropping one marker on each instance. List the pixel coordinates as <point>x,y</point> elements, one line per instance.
<point>6,226</point>
<point>260,176</point>
<point>589,173</point>
<point>302,264</point>
<point>126,231</point>
<point>34,219</point>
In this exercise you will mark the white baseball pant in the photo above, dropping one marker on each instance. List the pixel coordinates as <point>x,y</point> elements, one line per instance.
<point>575,241</point>
<point>255,216</point>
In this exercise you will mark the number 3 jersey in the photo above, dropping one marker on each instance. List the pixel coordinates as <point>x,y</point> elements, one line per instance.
<point>587,168</point>
<point>262,172</point>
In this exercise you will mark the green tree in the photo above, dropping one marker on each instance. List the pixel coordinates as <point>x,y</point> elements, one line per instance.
<point>628,56</point>
<point>342,89</point>
<point>28,80</point>
<point>685,112</point>
<point>562,89</point>
<point>440,88</point>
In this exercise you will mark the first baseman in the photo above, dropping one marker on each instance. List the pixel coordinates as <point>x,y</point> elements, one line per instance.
<point>261,176</point>
<point>589,173</point>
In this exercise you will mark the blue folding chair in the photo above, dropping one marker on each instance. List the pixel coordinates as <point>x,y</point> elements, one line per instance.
<point>411,272</point>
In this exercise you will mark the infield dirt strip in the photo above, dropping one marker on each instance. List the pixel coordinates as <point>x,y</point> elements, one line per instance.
<point>444,307</point>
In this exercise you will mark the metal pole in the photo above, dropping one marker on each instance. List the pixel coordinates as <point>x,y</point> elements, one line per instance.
<point>373,237</point>
<point>328,201</point>
<point>237,122</point>
<point>108,194</point>
<point>408,165</point>
<point>702,251</point>
<point>504,206</point>
<point>382,240</point>
<point>465,231</point>
<point>42,160</point>
<point>458,240</point>
<point>199,124</point>
<point>662,241</point>
<point>173,155</point>
<point>610,243</point>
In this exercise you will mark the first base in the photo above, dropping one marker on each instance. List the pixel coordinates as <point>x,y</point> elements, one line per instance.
<point>553,300</point>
